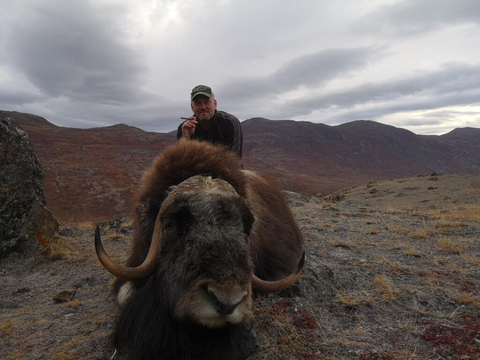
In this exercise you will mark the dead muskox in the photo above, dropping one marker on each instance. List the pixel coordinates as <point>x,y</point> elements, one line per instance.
<point>207,232</point>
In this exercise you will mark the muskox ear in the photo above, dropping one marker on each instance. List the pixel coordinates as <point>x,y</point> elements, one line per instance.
<point>247,217</point>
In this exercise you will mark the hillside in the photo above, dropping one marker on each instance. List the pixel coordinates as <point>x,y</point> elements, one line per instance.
<point>311,158</point>
<point>93,173</point>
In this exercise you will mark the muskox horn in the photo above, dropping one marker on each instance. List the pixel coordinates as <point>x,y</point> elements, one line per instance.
<point>264,286</point>
<point>132,273</point>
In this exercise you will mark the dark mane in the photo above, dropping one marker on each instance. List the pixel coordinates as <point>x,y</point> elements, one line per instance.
<point>275,236</point>
<point>186,158</point>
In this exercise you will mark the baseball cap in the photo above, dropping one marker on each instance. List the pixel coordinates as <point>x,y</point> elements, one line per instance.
<point>201,90</point>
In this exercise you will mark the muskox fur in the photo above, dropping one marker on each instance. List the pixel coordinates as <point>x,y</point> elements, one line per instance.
<point>152,324</point>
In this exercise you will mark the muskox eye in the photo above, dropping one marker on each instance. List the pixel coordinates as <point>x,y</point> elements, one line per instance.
<point>168,224</point>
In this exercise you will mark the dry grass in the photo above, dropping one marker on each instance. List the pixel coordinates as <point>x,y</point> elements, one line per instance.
<point>65,352</point>
<point>467,298</point>
<point>395,267</point>
<point>422,233</point>
<point>372,230</point>
<point>473,259</point>
<point>397,245</point>
<point>385,288</point>
<point>449,223</point>
<point>407,248</point>
<point>354,299</point>
<point>471,213</point>
<point>294,331</point>
<point>397,229</point>
<point>82,225</point>
<point>59,248</point>
<point>6,327</point>
<point>449,226</point>
<point>450,213</point>
<point>451,246</point>
<point>412,251</point>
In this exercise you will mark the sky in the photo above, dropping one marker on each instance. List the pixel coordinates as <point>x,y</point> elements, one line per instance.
<point>413,64</point>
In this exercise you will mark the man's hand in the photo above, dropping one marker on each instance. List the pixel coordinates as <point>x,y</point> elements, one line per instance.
<point>188,127</point>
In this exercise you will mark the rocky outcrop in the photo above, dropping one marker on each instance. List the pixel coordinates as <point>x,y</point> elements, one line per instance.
<point>25,220</point>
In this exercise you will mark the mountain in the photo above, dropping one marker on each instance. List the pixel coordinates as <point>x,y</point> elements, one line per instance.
<point>92,174</point>
<point>311,158</point>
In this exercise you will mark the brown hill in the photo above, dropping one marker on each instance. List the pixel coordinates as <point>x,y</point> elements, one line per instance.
<point>311,158</point>
<point>93,173</point>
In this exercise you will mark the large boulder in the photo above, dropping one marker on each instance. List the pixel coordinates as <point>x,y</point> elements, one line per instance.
<point>25,220</point>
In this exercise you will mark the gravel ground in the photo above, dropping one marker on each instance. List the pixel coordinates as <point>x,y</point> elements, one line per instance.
<point>392,273</point>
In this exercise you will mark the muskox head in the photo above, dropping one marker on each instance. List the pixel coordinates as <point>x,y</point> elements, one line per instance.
<point>201,247</point>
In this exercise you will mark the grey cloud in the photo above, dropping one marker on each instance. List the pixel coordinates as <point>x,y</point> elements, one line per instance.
<point>411,17</point>
<point>72,49</point>
<point>421,122</point>
<point>317,69</point>
<point>448,113</point>
<point>456,80</point>
<point>160,116</point>
<point>10,98</point>
<point>311,70</point>
<point>379,110</point>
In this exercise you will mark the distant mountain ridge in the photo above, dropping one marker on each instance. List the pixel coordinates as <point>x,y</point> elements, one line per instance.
<point>355,152</point>
<point>93,173</point>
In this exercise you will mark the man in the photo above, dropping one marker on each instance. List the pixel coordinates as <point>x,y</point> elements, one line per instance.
<point>208,123</point>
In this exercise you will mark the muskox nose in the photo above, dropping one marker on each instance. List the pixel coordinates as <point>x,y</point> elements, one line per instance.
<point>225,303</point>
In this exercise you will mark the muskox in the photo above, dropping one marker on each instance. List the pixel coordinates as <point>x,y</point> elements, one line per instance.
<point>207,232</point>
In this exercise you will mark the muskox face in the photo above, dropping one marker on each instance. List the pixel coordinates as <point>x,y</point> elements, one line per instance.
<point>204,254</point>
<point>199,258</point>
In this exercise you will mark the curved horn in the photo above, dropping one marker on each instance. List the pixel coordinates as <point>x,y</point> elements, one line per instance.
<point>264,286</point>
<point>132,273</point>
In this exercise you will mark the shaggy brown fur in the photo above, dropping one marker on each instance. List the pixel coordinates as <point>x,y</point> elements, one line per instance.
<point>276,240</point>
<point>225,244</point>
<point>178,163</point>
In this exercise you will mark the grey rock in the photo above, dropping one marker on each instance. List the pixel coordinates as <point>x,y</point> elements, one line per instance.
<point>24,218</point>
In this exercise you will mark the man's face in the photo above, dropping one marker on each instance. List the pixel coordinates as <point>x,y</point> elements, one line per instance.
<point>203,107</point>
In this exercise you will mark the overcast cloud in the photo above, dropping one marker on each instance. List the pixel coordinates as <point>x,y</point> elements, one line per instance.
<point>413,63</point>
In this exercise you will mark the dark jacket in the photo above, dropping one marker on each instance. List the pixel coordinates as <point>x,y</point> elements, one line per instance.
<point>226,130</point>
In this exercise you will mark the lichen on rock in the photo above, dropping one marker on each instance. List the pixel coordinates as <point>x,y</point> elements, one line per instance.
<point>24,217</point>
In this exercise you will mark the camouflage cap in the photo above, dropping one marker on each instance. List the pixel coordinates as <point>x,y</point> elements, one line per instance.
<point>202,90</point>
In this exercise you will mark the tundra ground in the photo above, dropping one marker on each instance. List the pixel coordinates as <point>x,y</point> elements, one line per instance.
<point>392,273</point>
